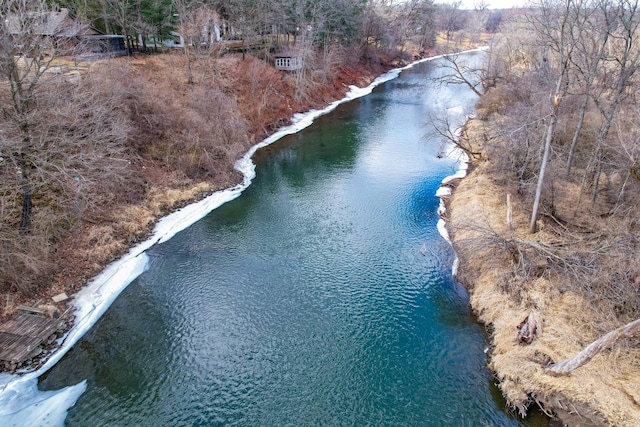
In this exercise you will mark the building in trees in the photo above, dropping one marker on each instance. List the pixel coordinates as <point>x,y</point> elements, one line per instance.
<point>288,60</point>
<point>64,35</point>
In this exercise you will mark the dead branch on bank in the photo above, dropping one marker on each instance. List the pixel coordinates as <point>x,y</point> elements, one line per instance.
<point>530,257</point>
<point>459,72</point>
<point>529,328</point>
<point>604,342</point>
<point>442,127</point>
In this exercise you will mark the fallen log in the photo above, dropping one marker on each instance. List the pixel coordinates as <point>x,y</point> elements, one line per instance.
<point>604,342</point>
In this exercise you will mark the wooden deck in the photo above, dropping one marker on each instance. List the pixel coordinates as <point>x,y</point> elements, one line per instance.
<point>21,337</point>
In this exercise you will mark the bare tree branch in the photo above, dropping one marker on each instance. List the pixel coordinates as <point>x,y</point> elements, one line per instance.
<point>443,127</point>
<point>458,72</point>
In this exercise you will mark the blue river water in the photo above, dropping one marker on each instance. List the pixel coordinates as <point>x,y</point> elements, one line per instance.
<point>321,296</point>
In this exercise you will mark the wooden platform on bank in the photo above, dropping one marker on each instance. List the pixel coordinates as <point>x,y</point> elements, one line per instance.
<point>21,337</point>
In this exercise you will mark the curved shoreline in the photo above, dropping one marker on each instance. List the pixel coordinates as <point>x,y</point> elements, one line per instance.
<point>21,403</point>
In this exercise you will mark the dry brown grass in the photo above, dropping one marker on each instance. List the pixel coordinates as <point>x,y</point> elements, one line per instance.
<point>604,392</point>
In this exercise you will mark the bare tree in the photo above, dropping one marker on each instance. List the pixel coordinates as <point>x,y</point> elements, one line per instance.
<point>459,71</point>
<point>590,51</point>
<point>480,5</point>
<point>492,24</point>
<point>197,24</point>
<point>626,63</point>
<point>59,140</point>
<point>449,18</point>
<point>414,21</point>
<point>556,23</point>
<point>122,14</point>
<point>25,56</point>
<point>456,136</point>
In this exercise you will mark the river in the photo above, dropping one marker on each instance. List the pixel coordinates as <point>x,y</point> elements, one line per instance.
<point>322,295</point>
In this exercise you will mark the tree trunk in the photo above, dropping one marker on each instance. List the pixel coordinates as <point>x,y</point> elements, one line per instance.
<point>574,141</point>
<point>602,138</point>
<point>27,197</point>
<point>604,342</point>
<point>543,167</point>
<point>129,44</point>
<point>187,59</point>
<point>592,71</point>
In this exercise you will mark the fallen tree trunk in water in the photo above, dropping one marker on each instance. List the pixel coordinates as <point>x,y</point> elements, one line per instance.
<point>604,342</point>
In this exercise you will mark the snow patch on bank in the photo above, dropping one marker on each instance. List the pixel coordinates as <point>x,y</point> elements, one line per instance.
<point>24,405</point>
<point>21,403</point>
<point>445,190</point>
<point>456,115</point>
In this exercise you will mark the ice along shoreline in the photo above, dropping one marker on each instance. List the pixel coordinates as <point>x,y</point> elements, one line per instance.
<point>21,403</point>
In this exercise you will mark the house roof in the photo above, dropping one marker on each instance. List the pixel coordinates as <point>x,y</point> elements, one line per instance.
<point>56,23</point>
<point>287,54</point>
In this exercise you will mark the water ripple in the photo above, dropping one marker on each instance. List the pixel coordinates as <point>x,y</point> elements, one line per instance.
<point>321,297</point>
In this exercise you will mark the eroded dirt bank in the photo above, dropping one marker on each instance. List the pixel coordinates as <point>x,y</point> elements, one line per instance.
<point>606,391</point>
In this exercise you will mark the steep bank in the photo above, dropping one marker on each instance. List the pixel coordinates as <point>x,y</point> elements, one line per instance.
<point>182,143</point>
<point>105,234</point>
<point>604,392</point>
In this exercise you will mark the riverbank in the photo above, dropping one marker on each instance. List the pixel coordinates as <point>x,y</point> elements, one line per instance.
<point>94,299</point>
<point>183,142</point>
<point>603,392</point>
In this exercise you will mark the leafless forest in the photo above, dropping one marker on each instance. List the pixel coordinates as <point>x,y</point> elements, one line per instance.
<point>94,146</point>
<point>561,88</point>
<point>553,259</point>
